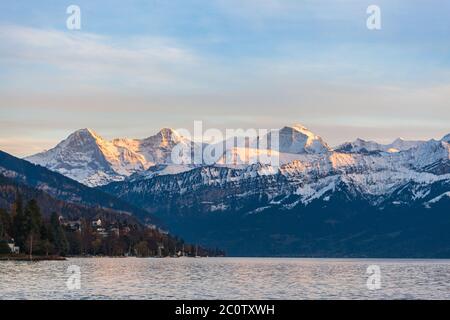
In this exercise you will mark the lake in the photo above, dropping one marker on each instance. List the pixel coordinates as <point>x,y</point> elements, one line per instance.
<point>224,278</point>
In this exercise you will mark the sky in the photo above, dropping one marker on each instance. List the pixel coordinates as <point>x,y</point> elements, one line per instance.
<point>137,66</point>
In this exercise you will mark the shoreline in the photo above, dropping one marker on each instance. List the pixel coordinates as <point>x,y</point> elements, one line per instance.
<point>25,257</point>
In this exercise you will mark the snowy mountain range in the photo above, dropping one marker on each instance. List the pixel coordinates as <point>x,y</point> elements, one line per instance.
<point>362,146</point>
<point>301,177</point>
<point>330,188</point>
<point>88,158</point>
<point>92,160</point>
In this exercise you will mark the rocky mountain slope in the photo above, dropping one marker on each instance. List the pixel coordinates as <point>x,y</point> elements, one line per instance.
<point>88,158</point>
<point>10,189</point>
<point>59,187</point>
<point>375,175</point>
<point>361,198</point>
<point>375,202</point>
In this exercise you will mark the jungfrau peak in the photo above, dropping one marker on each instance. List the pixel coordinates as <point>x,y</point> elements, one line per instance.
<point>297,139</point>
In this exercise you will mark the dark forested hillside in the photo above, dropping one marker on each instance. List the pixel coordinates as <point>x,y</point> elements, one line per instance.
<point>61,187</point>
<point>62,228</point>
<point>48,204</point>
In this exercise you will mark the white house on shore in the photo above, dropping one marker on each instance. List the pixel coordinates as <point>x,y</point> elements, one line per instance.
<point>14,249</point>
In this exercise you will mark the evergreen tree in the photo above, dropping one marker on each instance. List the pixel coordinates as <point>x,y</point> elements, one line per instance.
<point>33,220</point>
<point>18,204</point>
<point>4,248</point>
<point>19,228</point>
<point>5,224</point>
<point>42,237</point>
<point>142,249</point>
<point>57,235</point>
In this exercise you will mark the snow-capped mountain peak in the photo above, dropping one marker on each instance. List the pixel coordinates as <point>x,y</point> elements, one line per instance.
<point>169,134</point>
<point>166,137</point>
<point>301,128</point>
<point>83,136</point>
<point>158,148</point>
<point>82,156</point>
<point>364,146</point>
<point>401,144</point>
<point>297,139</point>
<point>87,157</point>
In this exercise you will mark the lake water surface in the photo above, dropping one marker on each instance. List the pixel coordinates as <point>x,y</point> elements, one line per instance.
<point>223,278</point>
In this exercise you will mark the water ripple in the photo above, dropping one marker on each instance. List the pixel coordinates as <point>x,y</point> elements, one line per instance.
<point>225,278</point>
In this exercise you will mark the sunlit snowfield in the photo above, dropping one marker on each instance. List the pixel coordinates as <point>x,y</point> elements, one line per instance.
<point>225,278</point>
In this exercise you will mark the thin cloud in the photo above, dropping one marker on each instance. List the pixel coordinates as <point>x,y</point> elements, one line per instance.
<point>82,57</point>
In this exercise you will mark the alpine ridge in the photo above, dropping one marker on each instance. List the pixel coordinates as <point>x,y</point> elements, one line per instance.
<point>92,160</point>
<point>317,200</point>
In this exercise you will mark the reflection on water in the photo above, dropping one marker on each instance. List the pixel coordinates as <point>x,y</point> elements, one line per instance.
<point>225,278</point>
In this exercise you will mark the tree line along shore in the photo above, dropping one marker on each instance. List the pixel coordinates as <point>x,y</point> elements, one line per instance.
<point>25,234</point>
